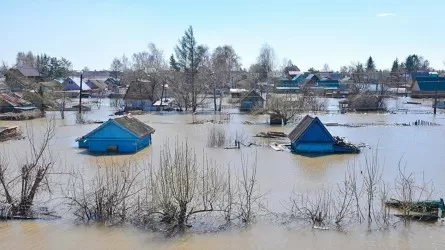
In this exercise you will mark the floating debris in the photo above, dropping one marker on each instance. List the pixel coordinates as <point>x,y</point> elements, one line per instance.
<point>271,134</point>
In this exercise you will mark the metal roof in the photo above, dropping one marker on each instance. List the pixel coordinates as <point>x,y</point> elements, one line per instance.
<point>300,128</point>
<point>134,125</point>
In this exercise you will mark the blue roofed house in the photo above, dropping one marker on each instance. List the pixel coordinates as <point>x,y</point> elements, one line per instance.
<point>291,85</point>
<point>311,136</point>
<point>426,87</point>
<point>120,135</point>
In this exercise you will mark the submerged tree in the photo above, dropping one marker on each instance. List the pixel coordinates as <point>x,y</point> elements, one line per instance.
<point>21,184</point>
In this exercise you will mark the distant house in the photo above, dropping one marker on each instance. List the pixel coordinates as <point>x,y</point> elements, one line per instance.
<point>237,93</point>
<point>426,87</point>
<point>94,84</point>
<point>250,101</point>
<point>73,83</point>
<point>51,85</point>
<point>120,135</point>
<point>310,136</point>
<point>20,78</point>
<point>139,96</point>
<point>310,80</point>
<point>13,102</point>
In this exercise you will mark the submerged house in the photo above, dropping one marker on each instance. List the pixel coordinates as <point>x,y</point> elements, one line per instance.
<point>94,84</point>
<point>21,77</point>
<point>428,86</point>
<point>251,101</point>
<point>139,96</point>
<point>13,102</point>
<point>120,135</point>
<point>310,136</point>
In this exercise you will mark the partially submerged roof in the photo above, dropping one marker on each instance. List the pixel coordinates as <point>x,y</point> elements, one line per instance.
<point>305,124</point>
<point>431,83</point>
<point>14,100</point>
<point>135,125</point>
<point>300,128</point>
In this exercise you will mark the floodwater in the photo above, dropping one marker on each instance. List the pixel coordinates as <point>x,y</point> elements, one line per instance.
<point>279,173</point>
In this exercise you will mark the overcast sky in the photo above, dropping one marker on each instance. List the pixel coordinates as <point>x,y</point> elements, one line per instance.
<point>310,33</point>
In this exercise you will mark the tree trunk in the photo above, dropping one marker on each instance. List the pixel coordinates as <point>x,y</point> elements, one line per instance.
<point>214,99</point>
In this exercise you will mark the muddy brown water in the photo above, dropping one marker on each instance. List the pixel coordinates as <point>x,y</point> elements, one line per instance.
<point>279,173</point>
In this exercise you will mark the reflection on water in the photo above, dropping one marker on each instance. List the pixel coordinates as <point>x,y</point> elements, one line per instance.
<point>421,148</point>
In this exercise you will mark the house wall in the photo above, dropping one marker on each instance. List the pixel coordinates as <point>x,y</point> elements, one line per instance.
<point>316,133</point>
<point>144,142</point>
<point>145,105</point>
<point>312,147</point>
<point>102,145</point>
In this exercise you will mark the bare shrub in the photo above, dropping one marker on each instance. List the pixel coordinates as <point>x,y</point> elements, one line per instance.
<point>21,184</point>
<point>109,197</point>
<point>216,137</point>
<point>409,191</point>
<point>249,198</point>
<point>182,188</point>
<point>314,208</point>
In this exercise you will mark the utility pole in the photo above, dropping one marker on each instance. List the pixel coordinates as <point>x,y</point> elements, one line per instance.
<point>435,95</point>
<point>80,94</point>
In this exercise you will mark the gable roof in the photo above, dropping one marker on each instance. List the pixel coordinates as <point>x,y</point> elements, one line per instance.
<point>96,84</point>
<point>28,71</point>
<point>14,100</point>
<point>304,124</point>
<point>430,83</point>
<point>128,123</point>
<point>137,127</point>
<point>139,90</point>
<point>252,94</point>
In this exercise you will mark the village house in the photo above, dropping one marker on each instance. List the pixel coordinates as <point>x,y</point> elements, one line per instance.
<point>21,78</point>
<point>96,85</point>
<point>139,96</point>
<point>73,83</point>
<point>53,85</point>
<point>428,86</point>
<point>310,136</point>
<point>251,101</point>
<point>310,81</point>
<point>120,135</point>
<point>13,102</point>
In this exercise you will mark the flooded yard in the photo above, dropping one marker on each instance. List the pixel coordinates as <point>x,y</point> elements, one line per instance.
<point>279,174</point>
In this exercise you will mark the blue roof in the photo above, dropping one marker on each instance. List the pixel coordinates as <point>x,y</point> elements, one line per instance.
<point>328,83</point>
<point>431,83</point>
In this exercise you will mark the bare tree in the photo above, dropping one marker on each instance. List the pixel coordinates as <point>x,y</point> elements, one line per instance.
<point>20,185</point>
<point>371,178</point>
<point>266,62</point>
